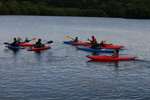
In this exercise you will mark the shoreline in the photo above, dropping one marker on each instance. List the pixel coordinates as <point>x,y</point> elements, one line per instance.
<point>77,16</point>
<point>135,9</point>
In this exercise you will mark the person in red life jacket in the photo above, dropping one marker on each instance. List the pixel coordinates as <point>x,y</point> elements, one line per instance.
<point>94,43</point>
<point>94,39</point>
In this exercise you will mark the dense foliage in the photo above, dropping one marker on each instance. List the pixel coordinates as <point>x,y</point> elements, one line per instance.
<point>107,8</point>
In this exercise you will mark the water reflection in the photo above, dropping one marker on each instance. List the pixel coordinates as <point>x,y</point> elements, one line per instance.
<point>14,52</point>
<point>13,55</point>
<point>64,71</point>
<point>116,65</point>
<point>38,56</point>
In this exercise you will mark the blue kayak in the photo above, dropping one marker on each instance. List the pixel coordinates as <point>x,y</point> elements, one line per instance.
<point>15,48</point>
<point>68,42</point>
<point>79,43</point>
<point>87,49</point>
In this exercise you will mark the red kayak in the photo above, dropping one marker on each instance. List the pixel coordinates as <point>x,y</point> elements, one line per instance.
<point>104,58</point>
<point>112,46</point>
<point>26,44</point>
<point>39,49</point>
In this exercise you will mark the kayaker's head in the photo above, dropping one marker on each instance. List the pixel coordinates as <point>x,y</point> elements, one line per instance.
<point>76,38</point>
<point>93,37</point>
<point>15,39</point>
<point>39,40</point>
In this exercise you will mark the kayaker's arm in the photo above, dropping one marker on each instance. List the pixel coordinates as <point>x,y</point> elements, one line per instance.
<point>89,40</point>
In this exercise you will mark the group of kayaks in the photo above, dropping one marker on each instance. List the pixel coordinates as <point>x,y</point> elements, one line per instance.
<point>28,45</point>
<point>105,49</point>
<point>80,45</point>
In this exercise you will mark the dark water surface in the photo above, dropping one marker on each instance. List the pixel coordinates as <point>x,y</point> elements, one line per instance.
<point>63,73</point>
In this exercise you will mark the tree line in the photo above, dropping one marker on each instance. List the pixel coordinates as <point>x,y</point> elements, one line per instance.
<point>97,8</point>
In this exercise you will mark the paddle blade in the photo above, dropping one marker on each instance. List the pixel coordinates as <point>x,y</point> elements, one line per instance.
<point>69,37</point>
<point>6,43</point>
<point>49,42</point>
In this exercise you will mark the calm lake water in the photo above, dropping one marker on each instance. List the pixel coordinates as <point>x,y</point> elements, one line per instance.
<point>63,73</point>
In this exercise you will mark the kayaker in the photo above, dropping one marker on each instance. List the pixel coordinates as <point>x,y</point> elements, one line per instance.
<point>76,39</point>
<point>93,39</point>
<point>94,43</point>
<point>15,42</point>
<point>116,53</point>
<point>38,44</point>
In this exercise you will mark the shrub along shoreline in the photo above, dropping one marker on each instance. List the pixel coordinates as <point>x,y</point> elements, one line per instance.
<point>139,9</point>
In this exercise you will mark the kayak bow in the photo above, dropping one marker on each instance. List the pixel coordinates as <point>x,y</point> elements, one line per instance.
<point>14,48</point>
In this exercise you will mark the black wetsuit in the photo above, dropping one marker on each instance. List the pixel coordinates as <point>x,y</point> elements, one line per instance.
<point>38,44</point>
<point>26,40</point>
<point>94,45</point>
<point>14,43</point>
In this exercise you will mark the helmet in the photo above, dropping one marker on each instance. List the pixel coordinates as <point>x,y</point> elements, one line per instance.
<point>15,38</point>
<point>40,40</point>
